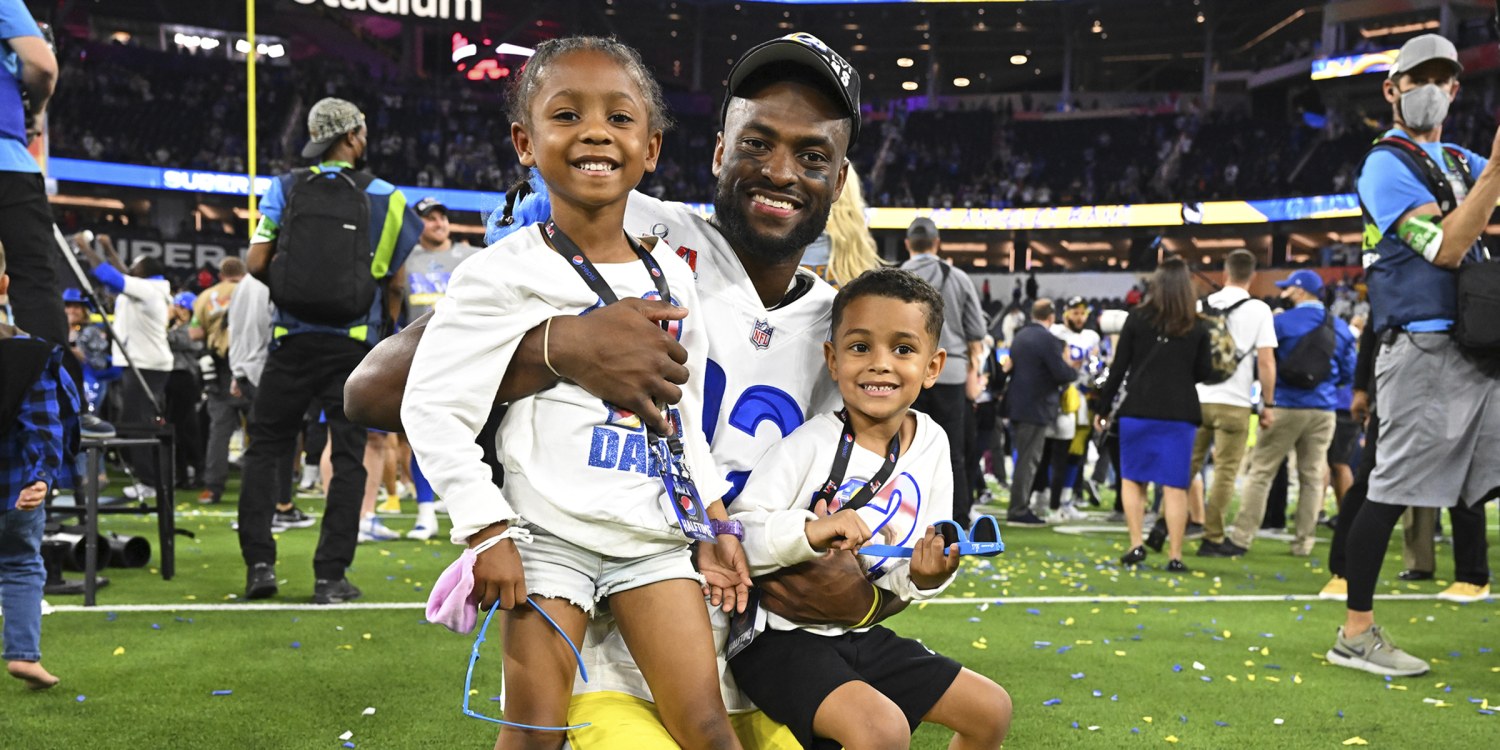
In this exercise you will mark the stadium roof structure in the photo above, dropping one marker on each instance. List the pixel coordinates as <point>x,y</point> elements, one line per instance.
<point>901,47</point>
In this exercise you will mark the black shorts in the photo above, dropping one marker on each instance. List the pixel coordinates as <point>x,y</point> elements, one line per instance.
<point>1345,433</point>
<point>789,673</point>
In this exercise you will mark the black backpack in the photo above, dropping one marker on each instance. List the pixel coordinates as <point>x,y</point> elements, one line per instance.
<point>1311,361</point>
<point>321,271</point>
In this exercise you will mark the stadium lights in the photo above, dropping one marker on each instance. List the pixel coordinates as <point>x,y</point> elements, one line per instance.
<point>1018,59</point>
<point>1098,28</point>
<point>1405,28</point>
<point>193,41</point>
<point>909,85</point>
<point>514,49</point>
<point>961,82</point>
<point>268,50</point>
<point>463,48</point>
<point>905,62</point>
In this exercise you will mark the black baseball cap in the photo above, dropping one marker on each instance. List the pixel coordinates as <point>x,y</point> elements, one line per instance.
<point>430,204</point>
<point>804,49</point>
<point>1076,302</point>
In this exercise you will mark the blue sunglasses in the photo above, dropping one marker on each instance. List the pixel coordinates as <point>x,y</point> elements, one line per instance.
<point>474,658</point>
<point>982,539</point>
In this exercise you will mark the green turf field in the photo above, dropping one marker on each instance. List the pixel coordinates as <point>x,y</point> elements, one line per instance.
<point>1092,656</point>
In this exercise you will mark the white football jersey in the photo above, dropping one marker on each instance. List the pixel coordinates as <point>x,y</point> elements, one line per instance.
<point>766,373</point>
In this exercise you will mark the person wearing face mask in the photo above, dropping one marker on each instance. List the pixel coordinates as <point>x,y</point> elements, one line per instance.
<point>1425,204</point>
<point>330,240</point>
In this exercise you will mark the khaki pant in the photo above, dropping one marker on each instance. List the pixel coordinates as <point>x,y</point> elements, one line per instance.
<point>1309,431</point>
<point>1227,428</point>
<point>1418,525</point>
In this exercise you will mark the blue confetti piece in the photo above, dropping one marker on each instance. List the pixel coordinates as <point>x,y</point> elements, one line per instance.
<point>973,619</point>
<point>1221,723</point>
<point>348,744</point>
<point>1176,667</point>
<point>296,644</point>
<point>1098,694</point>
<point>1272,666</point>
<point>1064,649</point>
<point>1184,718</point>
<point>1135,730</point>
<point>1299,618</point>
<point>223,692</point>
<point>1307,608</point>
<point>1341,713</point>
<point>1206,678</point>
<point>1387,678</point>
<point>1077,675</point>
<point>1448,689</point>
<point>155,626</point>
<point>1041,644</point>
<point>1484,649</point>
<point>110,617</point>
<point>1033,611</point>
<point>1115,698</point>
<point>1051,701</point>
<point>1486,712</point>
<point>80,699</point>
<point>1454,654</point>
<point>1075,725</point>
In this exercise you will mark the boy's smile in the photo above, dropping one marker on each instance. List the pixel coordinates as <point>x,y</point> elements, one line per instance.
<point>882,357</point>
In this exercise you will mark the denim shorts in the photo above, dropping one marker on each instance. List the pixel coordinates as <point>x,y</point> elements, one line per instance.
<point>556,568</point>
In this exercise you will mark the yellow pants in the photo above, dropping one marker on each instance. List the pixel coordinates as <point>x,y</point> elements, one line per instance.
<point>619,721</point>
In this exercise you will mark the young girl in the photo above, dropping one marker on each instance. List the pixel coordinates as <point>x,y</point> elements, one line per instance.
<point>584,480</point>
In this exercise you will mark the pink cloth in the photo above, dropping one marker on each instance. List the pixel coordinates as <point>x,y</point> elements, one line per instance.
<point>448,604</point>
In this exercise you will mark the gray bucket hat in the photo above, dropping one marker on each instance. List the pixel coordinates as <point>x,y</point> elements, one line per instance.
<point>327,121</point>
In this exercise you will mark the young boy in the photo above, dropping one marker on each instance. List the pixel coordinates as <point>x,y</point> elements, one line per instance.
<point>38,424</point>
<point>885,470</point>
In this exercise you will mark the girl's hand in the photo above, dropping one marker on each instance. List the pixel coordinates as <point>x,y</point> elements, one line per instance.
<point>726,573</point>
<point>498,576</point>
<point>929,566</point>
<point>842,530</point>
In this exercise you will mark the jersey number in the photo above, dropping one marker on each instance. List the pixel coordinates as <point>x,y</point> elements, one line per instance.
<point>757,404</point>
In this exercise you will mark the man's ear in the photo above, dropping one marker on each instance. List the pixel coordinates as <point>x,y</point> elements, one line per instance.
<point>522,143</point>
<point>718,163</point>
<point>838,187</point>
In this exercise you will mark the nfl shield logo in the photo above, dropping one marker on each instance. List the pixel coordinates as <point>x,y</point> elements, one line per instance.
<point>761,336</point>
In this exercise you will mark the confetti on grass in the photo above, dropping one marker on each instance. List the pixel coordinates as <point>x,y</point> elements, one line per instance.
<point>223,692</point>
<point>1356,741</point>
<point>1051,701</point>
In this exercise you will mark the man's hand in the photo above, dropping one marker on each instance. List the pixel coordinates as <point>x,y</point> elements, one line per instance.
<point>34,128</point>
<point>1359,407</point>
<point>843,530</point>
<point>726,573</point>
<point>1267,417</point>
<point>620,354</point>
<point>929,566</point>
<point>498,576</point>
<point>828,590</point>
<point>234,388</point>
<point>31,496</point>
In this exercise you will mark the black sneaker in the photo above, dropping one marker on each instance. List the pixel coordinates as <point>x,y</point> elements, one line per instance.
<point>1026,519</point>
<point>1207,548</point>
<point>292,519</point>
<point>327,591</point>
<point>1414,575</point>
<point>1225,548</point>
<point>1134,557</point>
<point>92,427</point>
<point>1176,566</point>
<point>1158,535</point>
<point>260,581</point>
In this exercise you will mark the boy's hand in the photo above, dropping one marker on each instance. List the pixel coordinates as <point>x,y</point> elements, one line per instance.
<point>842,530</point>
<point>31,496</point>
<point>498,576</point>
<point>929,566</point>
<point>726,573</point>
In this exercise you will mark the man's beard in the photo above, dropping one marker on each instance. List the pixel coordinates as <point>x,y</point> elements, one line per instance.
<point>733,222</point>
<point>1075,329</point>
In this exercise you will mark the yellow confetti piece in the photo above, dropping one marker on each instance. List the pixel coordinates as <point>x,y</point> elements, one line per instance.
<point>1356,741</point>
<point>980,646</point>
<point>1270,678</point>
<point>346,647</point>
<point>366,636</point>
<point>1265,650</point>
<point>1227,634</point>
<point>1231,678</point>
<point>1068,621</point>
<point>1249,663</point>
<point>473,692</point>
<point>1440,685</point>
<point>119,650</point>
<point>1119,653</point>
<point>1131,610</point>
<point>190,597</point>
<point>1297,679</point>
<point>1090,643</point>
<point>1250,677</point>
<point>1394,687</point>
<point>923,605</point>
<point>1094,611</point>
<point>385,553</point>
<point>1441,704</point>
<point>1172,738</point>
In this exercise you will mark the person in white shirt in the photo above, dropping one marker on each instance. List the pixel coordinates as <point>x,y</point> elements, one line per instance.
<point>1227,405</point>
<point>864,686</point>
<point>141,308</point>
<point>1068,438</point>
<point>594,498</point>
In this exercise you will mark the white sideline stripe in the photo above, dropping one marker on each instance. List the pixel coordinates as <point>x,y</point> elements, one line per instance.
<point>974,601</point>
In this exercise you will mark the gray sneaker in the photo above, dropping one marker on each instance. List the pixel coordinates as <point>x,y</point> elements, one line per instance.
<point>1374,653</point>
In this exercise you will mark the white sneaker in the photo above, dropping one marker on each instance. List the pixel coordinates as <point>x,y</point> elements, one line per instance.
<point>372,530</point>
<point>309,477</point>
<point>1056,516</point>
<point>1072,513</point>
<point>421,533</point>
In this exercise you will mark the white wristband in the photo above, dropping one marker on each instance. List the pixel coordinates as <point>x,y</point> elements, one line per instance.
<point>516,533</point>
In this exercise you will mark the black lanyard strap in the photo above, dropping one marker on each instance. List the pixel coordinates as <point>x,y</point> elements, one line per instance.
<point>841,465</point>
<point>569,250</point>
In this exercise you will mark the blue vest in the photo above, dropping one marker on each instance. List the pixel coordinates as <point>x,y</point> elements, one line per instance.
<point>1404,287</point>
